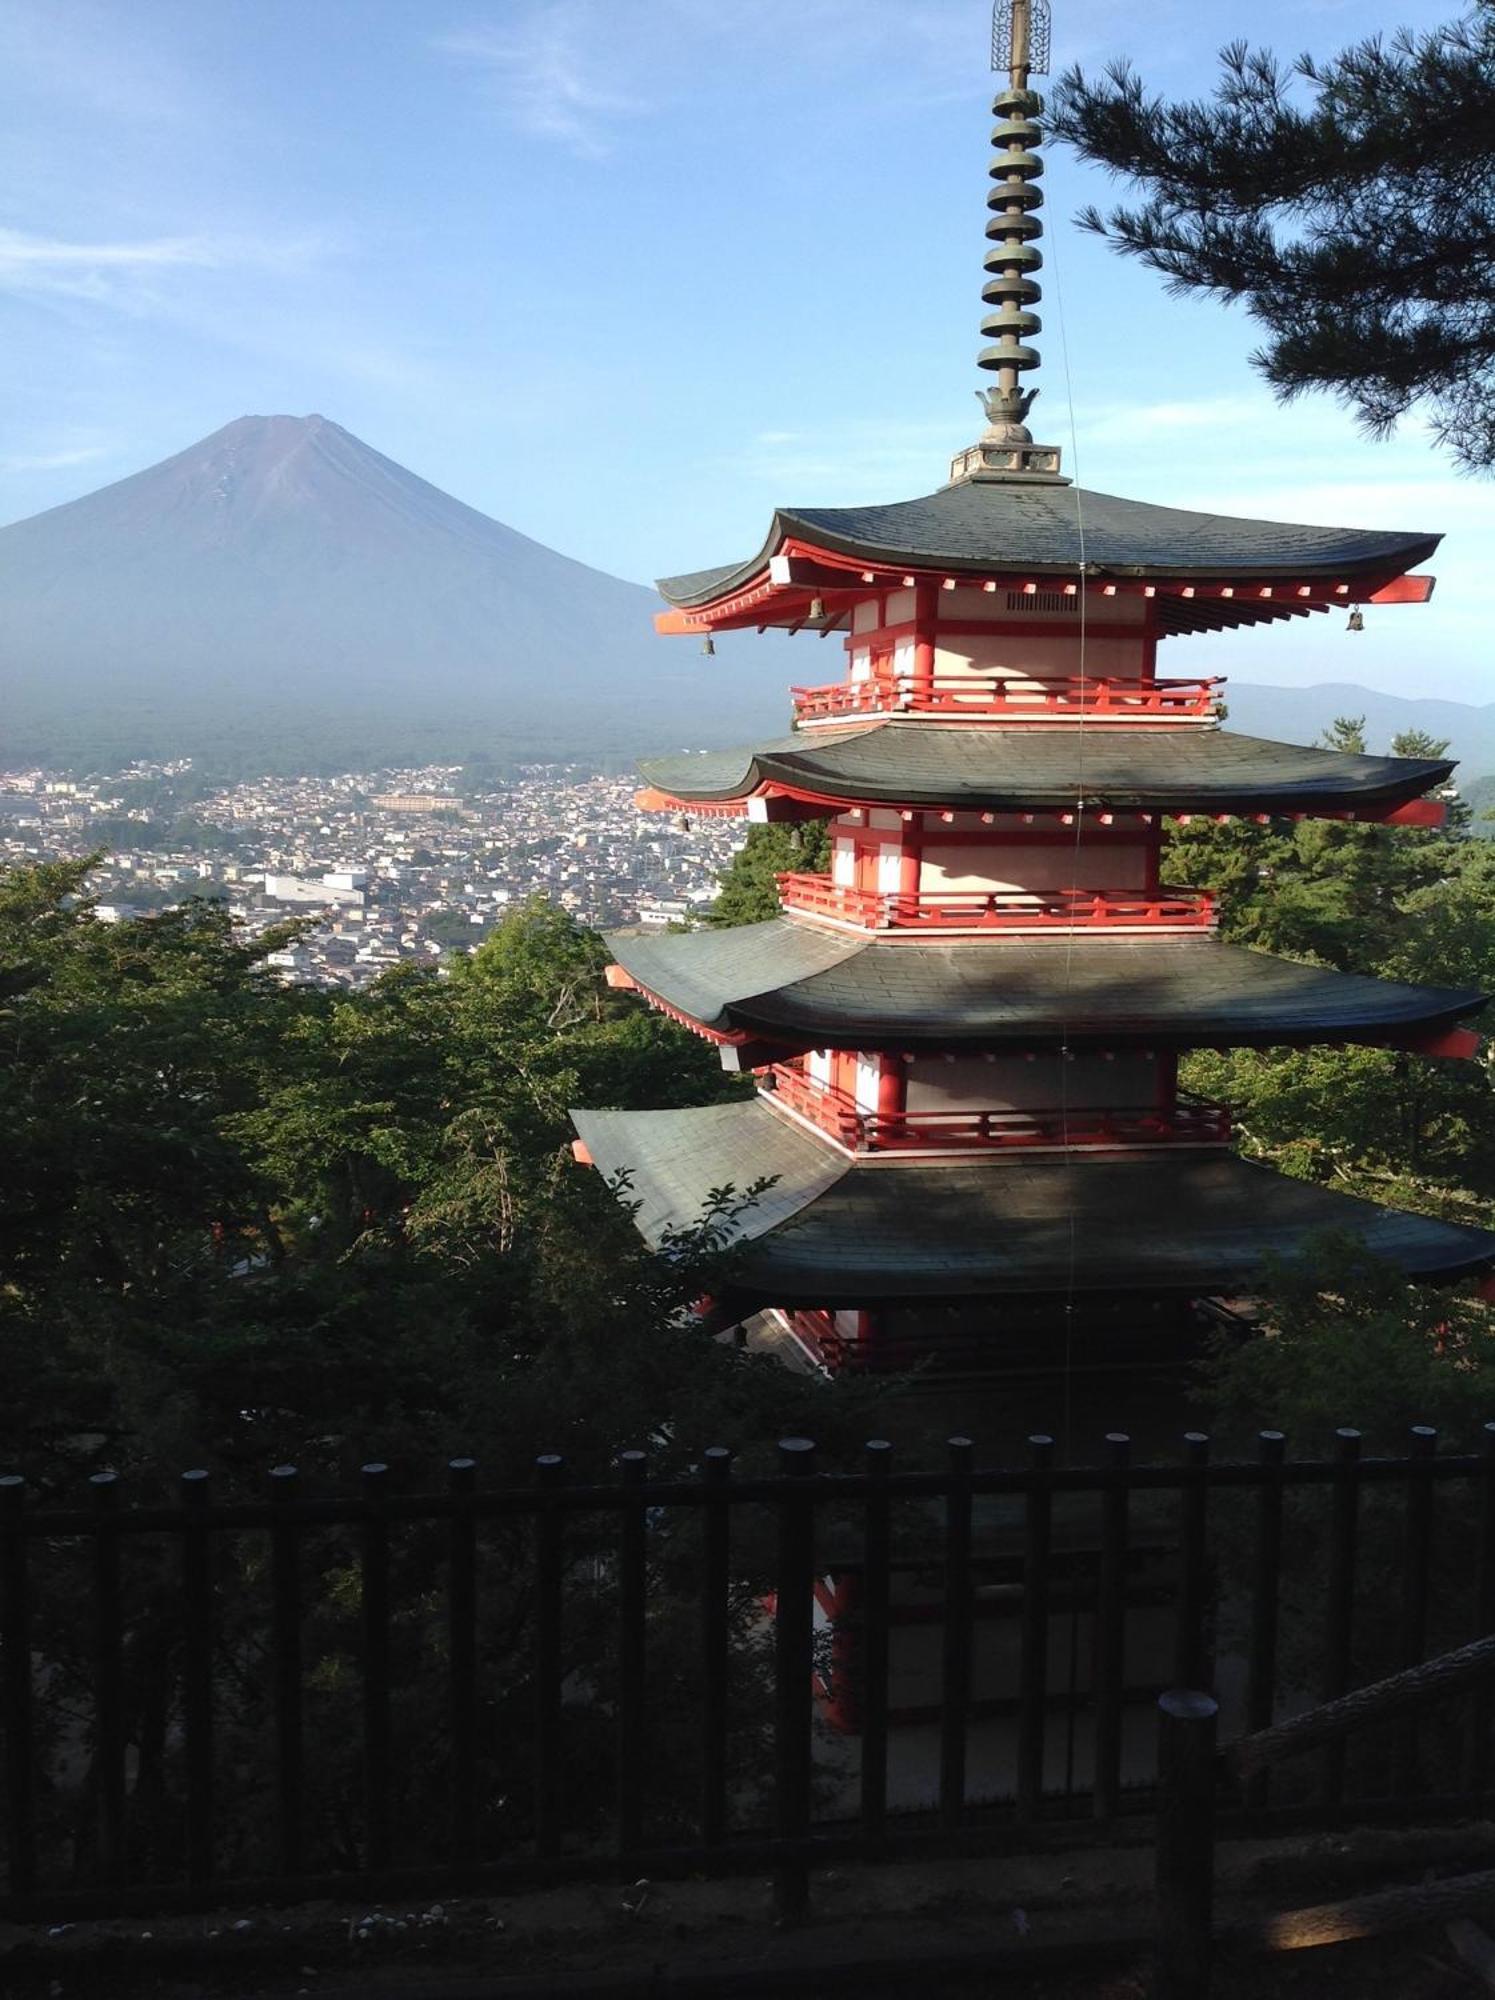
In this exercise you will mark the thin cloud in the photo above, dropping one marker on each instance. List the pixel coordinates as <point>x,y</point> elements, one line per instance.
<point>851,461</point>
<point>543,75</point>
<point>115,272</point>
<point>51,461</point>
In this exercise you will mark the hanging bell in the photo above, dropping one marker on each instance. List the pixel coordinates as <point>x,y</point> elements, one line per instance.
<point>817,607</point>
<point>1356,621</point>
<point>708,647</point>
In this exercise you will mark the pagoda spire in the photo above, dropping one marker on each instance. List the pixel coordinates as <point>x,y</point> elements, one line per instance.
<point>1020,45</point>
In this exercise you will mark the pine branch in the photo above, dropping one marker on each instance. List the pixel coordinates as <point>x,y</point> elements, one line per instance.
<point>1357,228</point>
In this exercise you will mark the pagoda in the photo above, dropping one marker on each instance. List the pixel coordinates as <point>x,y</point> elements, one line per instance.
<point>966,1034</point>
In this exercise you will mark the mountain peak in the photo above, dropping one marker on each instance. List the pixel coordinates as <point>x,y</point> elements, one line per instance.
<point>281,578</point>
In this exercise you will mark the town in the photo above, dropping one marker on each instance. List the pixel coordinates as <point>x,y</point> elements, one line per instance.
<point>391,865</point>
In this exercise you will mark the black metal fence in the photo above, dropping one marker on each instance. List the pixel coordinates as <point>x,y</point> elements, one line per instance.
<point>388,1692</point>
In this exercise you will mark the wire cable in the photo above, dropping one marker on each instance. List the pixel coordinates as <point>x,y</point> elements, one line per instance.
<point>1071,1207</point>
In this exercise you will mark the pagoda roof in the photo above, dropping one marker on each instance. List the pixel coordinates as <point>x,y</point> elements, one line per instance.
<point>985,524</point>
<point>1030,768</point>
<point>809,987</point>
<point>835,1231</point>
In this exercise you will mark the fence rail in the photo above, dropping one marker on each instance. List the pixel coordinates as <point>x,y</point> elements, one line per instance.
<point>1015,697</point>
<point>205,1699</point>
<point>1015,910</point>
<point>1187,1122</point>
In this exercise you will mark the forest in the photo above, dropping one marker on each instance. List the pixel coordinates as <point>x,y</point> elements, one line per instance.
<point>247,1223</point>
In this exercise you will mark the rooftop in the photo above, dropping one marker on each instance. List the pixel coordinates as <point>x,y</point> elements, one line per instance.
<point>986,525</point>
<point>1182,769</point>
<point>809,987</point>
<point>830,1231</point>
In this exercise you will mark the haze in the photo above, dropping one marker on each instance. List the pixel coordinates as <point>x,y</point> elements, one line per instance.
<point>625,276</point>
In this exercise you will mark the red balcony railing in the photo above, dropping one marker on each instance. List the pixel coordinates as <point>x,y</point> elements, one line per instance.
<point>1066,697</point>
<point>1189,1122</point>
<point>999,909</point>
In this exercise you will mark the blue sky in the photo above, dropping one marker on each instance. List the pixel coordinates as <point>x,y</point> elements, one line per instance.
<point>626,273</point>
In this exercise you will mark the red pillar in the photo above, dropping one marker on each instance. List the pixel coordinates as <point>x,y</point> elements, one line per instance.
<point>910,859</point>
<point>924,608</point>
<point>892,1093</point>
<point>1150,640</point>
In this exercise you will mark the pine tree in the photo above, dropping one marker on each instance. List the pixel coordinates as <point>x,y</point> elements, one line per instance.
<point>1357,229</point>
<point>749,889</point>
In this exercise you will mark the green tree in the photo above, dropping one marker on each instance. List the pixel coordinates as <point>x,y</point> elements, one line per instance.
<point>1398,903</point>
<point>1355,227</point>
<point>249,1224</point>
<point>748,890</point>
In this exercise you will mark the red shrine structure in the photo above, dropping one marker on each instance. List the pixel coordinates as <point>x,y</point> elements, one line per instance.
<point>966,1035</point>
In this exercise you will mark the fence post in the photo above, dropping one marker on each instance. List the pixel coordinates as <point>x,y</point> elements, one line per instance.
<point>1477,1743</point>
<point>1339,1608</point>
<point>716,1633</point>
<point>877,1554</point>
<point>1190,1648</point>
<point>1261,1667</point>
<point>374,1593</point>
<point>1033,1683</point>
<point>955,1665</point>
<point>197,1674</point>
<point>550,1470</point>
<point>16,1695</point>
<point>109,1677</point>
<point>1185,1843</point>
<point>794,1634</point>
<point>632,1655</point>
<point>1110,1629</point>
<point>285,1650</point>
<point>461,1629</point>
<point>1416,1556</point>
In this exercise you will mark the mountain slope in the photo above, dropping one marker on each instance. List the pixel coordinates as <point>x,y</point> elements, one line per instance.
<point>283,584</point>
<point>282,596</point>
<point>1299,714</point>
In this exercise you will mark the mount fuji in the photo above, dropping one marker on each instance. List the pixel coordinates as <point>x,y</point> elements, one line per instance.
<point>283,597</point>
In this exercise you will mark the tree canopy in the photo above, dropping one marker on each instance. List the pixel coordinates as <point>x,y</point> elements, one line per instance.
<point>1358,228</point>
<point>1394,902</point>
<point>245,1222</point>
<point>748,892</point>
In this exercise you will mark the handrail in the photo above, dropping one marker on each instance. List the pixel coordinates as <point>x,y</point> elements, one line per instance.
<point>1190,1122</point>
<point>997,909</point>
<point>1397,1694</point>
<point>1188,1768</point>
<point>1016,697</point>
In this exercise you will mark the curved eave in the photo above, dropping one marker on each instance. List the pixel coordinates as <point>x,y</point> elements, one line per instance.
<point>829,990</point>
<point>1046,770</point>
<point>829,1232</point>
<point>982,526</point>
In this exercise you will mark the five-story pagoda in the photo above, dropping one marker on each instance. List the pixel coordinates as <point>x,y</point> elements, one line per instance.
<point>966,1034</point>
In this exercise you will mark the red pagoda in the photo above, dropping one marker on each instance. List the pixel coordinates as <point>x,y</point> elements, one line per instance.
<point>966,1035</point>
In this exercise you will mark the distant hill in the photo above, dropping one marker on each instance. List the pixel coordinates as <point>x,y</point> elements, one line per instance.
<point>1299,714</point>
<point>282,596</point>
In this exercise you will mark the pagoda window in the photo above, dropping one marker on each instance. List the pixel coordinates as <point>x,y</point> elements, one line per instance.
<point>844,861</point>
<point>818,1067</point>
<point>1048,1083</point>
<point>868,1076</point>
<point>956,868</point>
<point>1039,656</point>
